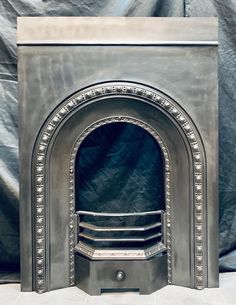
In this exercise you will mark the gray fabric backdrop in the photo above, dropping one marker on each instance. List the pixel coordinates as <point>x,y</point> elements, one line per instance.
<point>9,193</point>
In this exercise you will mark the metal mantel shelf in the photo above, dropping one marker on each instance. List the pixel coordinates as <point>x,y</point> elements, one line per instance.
<point>116,31</point>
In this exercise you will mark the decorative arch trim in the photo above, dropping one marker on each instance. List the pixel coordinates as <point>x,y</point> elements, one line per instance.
<point>167,175</point>
<point>42,149</point>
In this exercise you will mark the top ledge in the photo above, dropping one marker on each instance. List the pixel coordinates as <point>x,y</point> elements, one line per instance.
<point>117,31</point>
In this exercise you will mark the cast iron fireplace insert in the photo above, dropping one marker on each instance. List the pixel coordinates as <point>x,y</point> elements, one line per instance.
<point>83,77</point>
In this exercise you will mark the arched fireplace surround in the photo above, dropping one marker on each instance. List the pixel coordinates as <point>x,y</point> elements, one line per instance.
<point>54,162</point>
<point>186,138</point>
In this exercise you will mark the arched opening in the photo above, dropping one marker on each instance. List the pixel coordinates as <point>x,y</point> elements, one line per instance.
<point>119,168</point>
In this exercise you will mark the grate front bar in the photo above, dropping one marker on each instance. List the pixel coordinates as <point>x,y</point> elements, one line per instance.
<point>92,227</point>
<point>114,239</point>
<point>95,214</point>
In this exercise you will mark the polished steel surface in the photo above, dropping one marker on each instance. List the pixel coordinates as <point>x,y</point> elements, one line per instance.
<point>145,276</point>
<point>142,250</point>
<point>119,30</point>
<point>118,229</point>
<point>139,253</point>
<point>113,93</point>
<point>120,275</point>
<point>183,77</point>
<point>118,239</point>
<point>119,214</point>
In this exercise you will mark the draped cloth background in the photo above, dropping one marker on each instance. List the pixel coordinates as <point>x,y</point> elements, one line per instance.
<point>9,193</point>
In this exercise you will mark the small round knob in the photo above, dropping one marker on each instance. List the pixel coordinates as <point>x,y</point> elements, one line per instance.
<point>120,275</point>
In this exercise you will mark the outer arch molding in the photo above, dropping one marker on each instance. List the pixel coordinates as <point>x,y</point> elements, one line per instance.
<point>53,124</point>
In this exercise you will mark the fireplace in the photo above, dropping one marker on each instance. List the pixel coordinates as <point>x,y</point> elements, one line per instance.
<point>81,79</point>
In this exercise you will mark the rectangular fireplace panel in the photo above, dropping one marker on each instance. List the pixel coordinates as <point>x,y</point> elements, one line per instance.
<point>181,65</point>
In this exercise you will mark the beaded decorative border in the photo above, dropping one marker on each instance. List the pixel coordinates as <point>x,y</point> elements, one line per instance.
<point>107,254</point>
<point>61,114</point>
<point>167,166</point>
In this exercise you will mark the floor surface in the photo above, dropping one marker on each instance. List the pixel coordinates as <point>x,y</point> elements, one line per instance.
<point>10,294</point>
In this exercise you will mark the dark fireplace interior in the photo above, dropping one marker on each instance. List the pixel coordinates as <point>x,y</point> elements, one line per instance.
<point>119,169</point>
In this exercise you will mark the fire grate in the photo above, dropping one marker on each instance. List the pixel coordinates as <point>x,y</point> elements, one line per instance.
<point>121,242</point>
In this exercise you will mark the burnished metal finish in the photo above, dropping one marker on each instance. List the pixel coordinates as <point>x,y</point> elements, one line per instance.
<point>146,276</point>
<point>181,119</point>
<point>66,92</point>
<point>119,214</point>
<point>117,239</point>
<point>120,275</point>
<point>117,229</point>
<point>150,251</point>
<point>156,237</point>
<point>119,30</point>
<point>119,254</point>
